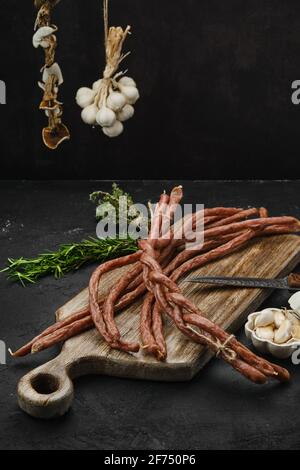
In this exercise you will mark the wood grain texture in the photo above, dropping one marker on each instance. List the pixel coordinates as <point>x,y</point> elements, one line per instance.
<point>48,390</point>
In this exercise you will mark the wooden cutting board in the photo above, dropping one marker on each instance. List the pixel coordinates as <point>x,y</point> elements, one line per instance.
<point>47,391</point>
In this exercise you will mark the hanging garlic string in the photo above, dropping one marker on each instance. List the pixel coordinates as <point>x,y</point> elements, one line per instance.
<point>110,101</point>
<point>106,19</point>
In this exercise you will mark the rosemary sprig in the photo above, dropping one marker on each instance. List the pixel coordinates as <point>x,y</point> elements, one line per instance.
<point>68,257</point>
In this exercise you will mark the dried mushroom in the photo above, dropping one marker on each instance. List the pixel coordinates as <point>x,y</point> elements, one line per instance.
<point>56,132</point>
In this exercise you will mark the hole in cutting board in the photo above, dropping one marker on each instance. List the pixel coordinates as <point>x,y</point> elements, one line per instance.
<point>45,384</point>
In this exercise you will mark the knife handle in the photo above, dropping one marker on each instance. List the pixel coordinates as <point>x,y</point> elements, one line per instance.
<point>294,280</point>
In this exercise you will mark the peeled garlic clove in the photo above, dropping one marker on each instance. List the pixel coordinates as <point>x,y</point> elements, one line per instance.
<point>279,318</point>
<point>131,93</point>
<point>89,114</point>
<point>53,70</point>
<point>265,332</point>
<point>296,331</point>
<point>284,332</point>
<point>96,85</point>
<point>294,302</point>
<point>265,318</point>
<point>106,117</point>
<point>292,316</point>
<point>42,33</point>
<point>116,101</point>
<point>115,130</point>
<point>127,81</point>
<point>126,113</point>
<point>85,97</point>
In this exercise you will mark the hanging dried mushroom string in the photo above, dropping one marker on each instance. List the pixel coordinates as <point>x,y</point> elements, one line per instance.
<point>56,132</point>
<point>110,101</point>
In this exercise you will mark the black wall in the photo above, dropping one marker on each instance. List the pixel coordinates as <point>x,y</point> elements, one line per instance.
<point>215,80</point>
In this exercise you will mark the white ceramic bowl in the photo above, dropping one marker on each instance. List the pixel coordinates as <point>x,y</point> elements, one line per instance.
<point>282,351</point>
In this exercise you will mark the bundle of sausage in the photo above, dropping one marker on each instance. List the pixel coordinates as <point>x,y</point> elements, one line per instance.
<point>158,265</point>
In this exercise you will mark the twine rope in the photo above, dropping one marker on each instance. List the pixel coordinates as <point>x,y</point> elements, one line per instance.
<point>222,348</point>
<point>114,38</point>
<point>106,19</point>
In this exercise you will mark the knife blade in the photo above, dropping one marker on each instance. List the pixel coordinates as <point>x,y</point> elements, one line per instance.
<point>250,282</point>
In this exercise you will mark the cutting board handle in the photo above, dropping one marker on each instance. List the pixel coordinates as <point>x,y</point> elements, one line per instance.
<point>47,391</point>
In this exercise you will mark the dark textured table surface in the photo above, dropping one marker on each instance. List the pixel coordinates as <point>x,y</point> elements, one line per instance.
<point>216,410</point>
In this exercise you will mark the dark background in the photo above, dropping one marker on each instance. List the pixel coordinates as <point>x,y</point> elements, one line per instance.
<point>215,81</point>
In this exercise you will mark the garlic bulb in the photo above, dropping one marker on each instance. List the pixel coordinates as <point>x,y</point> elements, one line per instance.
<point>126,113</point>
<point>83,91</point>
<point>127,81</point>
<point>294,302</point>
<point>96,85</point>
<point>116,101</point>
<point>106,117</point>
<point>131,93</point>
<point>279,318</point>
<point>115,130</point>
<point>265,318</point>
<point>116,98</point>
<point>284,332</point>
<point>265,332</point>
<point>89,114</point>
<point>85,97</point>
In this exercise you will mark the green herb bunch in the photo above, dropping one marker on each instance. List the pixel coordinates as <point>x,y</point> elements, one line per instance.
<point>105,201</point>
<point>68,257</point>
<point>71,256</point>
